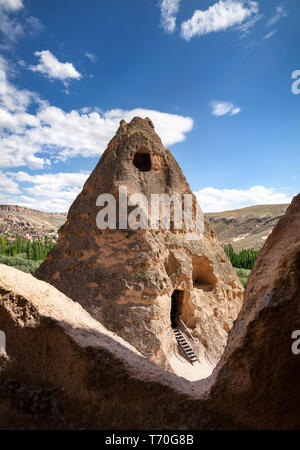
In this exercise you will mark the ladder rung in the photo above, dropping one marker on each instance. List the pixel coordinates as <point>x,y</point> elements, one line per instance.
<point>189,352</point>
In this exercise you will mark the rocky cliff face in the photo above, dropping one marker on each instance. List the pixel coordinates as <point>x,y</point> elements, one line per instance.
<point>63,369</point>
<point>258,372</point>
<point>126,278</point>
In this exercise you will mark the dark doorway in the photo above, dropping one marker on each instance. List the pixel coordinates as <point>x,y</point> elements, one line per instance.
<point>142,161</point>
<point>175,308</point>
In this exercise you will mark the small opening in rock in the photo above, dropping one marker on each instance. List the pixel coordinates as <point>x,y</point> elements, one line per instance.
<point>2,343</point>
<point>176,300</point>
<point>142,161</point>
<point>203,275</point>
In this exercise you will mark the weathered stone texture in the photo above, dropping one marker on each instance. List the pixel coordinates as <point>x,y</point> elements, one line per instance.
<point>125,278</point>
<point>63,369</point>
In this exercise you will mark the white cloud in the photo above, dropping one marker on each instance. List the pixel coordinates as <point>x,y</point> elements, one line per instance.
<point>269,35</point>
<point>281,13</point>
<point>11,98</point>
<point>11,27</point>
<point>17,121</point>
<point>34,25</point>
<point>91,56</point>
<point>245,28</point>
<point>11,5</point>
<point>51,134</point>
<point>72,134</point>
<point>220,108</point>
<point>219,17</point>
<point>213,200</point>
<point>48,192</point>
<point>235,111</point>
<point>172,128</point>
<point>169,9</point>
<point>53,180</point>
<point>7,120</point>
<point>52,68</point>
<point>7,185</point>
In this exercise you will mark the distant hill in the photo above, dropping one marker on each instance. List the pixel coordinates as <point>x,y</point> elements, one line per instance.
<point>16,219</point>
<point>246,227</point>
<point>243,228</point>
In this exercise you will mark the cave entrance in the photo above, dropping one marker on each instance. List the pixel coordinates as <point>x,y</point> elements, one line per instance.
<point>142,161</point>
<point>176,300</point>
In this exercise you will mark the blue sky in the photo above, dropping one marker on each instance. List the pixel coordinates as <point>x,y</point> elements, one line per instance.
<point>214,76</point>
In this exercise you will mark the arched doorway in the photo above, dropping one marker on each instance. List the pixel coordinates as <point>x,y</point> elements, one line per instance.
<point>176,303</point>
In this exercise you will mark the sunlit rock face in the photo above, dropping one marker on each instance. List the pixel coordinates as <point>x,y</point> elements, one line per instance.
<point>126,278</point>
<point>61,368</point>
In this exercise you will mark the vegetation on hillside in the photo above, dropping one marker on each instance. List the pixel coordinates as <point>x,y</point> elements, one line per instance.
<point>242,261</point>
<point>24,254</point>
<point>245,259</point>
<point>21,263</point>
<point>31,250</point>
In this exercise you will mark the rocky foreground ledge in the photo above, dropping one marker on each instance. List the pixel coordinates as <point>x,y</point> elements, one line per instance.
<point>63,369</point>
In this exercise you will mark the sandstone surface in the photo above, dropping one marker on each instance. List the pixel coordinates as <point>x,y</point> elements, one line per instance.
<point>63,369</point>
<point>128,279</point>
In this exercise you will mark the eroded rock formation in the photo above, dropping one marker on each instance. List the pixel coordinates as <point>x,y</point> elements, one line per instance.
<point>258,373</point>
<point>125,278</point>
<point>92,378</point>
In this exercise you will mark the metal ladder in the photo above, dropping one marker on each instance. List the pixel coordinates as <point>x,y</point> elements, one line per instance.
<point>187,349</point>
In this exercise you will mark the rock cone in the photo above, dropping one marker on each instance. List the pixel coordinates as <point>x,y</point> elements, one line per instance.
<point>128,279</point>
